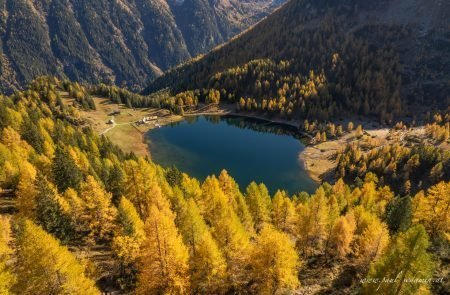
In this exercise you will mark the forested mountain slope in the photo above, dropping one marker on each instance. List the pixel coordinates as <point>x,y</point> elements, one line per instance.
<point>121,41</point>
<point>367,57</point>
<point>69,192</point>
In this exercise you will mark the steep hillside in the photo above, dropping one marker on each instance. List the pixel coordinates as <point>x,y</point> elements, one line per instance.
<point>374,58</point>
<point>125,42</point>
<point>79,216</point>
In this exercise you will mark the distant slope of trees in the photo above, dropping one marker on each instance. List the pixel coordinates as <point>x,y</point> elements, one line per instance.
<point>367,67</point>
<point>126,43</point>
<point>407,169</point>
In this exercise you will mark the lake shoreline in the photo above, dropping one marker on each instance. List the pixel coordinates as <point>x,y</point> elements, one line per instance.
<point>316,162</point>
<point>263,152</point>
<point>229,110</point>
<point>131,138</point>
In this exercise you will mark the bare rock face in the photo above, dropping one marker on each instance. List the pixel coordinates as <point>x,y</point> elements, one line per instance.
<point>127,42</point>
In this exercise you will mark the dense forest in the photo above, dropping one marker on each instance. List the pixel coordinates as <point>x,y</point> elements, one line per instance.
<point>407,169</point>
<point>169,233</point>
<point>292,88</point>
<point>327,59</point>
<point>127,42</point>
<point>408,163</point>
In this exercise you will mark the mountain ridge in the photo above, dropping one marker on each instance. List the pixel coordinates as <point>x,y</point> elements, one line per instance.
<point>123,42</point>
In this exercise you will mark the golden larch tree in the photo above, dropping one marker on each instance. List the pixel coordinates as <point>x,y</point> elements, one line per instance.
<point>372,242</point>
<point>207,263</point>
<point>228,230</point>
<point>235,197</point>
<point>26,190</point>
<point>127,241</point>
<point>141,186</point>
<point>433,209</point>
<point>98,214</point>
<point>341,237</point>
<point>44,266</point>
<point>283,212</point>
<point>312,222</point>
<point>275,263</point>
<point>7,278</point>
<point>164,262</point>
<point>259,203</point>
<point>406,259</point>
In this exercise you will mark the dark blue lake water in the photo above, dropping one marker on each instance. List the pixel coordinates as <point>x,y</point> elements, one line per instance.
<point>249,150</point>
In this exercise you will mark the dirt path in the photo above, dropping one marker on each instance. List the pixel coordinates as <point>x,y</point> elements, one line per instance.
<point>318,160</point>
<point>105,131</point>
<point>115,125</point>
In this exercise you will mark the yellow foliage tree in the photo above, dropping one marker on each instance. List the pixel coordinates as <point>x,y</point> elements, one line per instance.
<point>163,266</point>
<point>97,215</point>
<point>141,186</point>
<point>45,267</point>
<point>131,223</point>
<point>190,187</point>
<point>373,236</point>
<point>207,264</point>
<point>212,202</point>
<point>342,193</point>
<point>7,278</point>
<point>283,212</point>
<point>275,263</point>
<point>127,241</point>
<point>341,237</point>
<point>235,197</point>
<point>372,199</point>
<point>312,222</point>
<point>26,191</point>
<point>433,210</point>
<point>227,230</point>
<point>259,203</point>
